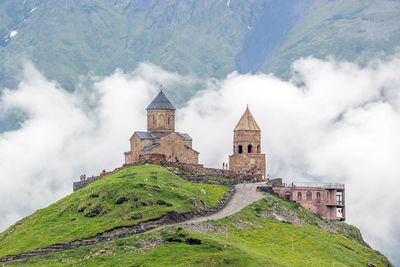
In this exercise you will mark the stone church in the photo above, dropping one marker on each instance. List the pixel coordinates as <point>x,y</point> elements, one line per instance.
<point>160,137</point>
<point>247,157</point>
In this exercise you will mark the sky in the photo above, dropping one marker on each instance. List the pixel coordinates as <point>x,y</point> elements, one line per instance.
<point>333,121</point>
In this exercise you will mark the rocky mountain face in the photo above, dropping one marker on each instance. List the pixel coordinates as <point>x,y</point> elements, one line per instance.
<point>66,39</point>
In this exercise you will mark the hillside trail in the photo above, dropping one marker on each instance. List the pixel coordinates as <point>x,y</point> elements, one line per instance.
<point>245,195</point>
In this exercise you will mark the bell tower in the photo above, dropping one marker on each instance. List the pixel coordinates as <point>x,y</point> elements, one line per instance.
<point>160,114</point>
<point>247,157</point>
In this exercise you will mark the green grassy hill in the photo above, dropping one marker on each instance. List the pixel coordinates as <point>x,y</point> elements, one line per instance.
<point>130,196</point>
<point>271,231</point>
<point>249,238</point>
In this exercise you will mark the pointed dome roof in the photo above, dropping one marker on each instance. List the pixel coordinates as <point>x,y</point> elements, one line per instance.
<point>247,122</point>
<point>160,102</point>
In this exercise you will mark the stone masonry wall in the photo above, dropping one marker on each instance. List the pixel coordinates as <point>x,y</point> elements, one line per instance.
<point>198,169</point>
<point>161,120</point>
<point>195,169</point>
<point>174,145</point>
<point>253,164</point>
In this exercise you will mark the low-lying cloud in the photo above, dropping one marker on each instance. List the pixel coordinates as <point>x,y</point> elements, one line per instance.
<point>332,122</point>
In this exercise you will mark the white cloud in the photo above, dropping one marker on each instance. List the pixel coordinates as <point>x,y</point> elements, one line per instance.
<point>333,122</point>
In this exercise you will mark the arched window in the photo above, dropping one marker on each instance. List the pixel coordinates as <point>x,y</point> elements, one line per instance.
<point>168,120</point>
<point>299,196</point>
<point>318,196</point>
<point>249,149</point>
<point>240,149</point>
<point>287,195</point>
<point>258,149</point>
<point>309,195</point>
<point>153,120</point>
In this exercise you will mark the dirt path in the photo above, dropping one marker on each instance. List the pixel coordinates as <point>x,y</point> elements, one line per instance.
<point>11,231</point>
<point>245,195</point>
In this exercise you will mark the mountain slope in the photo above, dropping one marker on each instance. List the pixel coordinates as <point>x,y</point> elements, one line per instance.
<point>71,38</point>
<point>357,31</point>
<point>269,232</point>
<point>100,36</point>
<point>129,197</point>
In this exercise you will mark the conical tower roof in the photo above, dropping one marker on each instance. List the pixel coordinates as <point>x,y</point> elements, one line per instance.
<point>160,102</point>
<point>247,122</point>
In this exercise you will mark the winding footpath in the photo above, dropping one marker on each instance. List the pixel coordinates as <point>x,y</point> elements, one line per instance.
<point>244,195</point>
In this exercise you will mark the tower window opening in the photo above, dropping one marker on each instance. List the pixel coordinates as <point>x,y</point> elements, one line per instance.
<point>299,196</point>
<point>318,196</point>
<point>240,149</point>
<point>309,195</point>
<point>249,148</point>
<point>258,149</point>
<point>154,120</point>
<point>168,120</point>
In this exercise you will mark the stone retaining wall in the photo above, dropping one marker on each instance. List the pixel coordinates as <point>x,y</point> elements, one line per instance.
<point>204,180</point>
<point>267,189</point>
<point>221,204</point>
<point>198,169</point>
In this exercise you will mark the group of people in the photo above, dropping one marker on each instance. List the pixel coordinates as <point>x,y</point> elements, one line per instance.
<point>83,177</point>
<point>134,232</point>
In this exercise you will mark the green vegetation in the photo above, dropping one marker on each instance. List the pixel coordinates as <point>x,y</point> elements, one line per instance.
<point>207,39</point>
<point>248,238</point>
<point>130,196</point>
<point>210,177</point>
<point>356,31</point>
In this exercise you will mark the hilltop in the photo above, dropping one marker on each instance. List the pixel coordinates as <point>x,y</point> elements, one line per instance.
<point>101,224</point>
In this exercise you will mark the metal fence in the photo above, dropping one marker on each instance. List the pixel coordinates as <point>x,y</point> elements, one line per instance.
<point>321,185</point>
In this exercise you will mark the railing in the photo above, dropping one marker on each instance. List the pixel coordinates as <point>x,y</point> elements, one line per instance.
<point>322,185</point>
<point>335,204</point>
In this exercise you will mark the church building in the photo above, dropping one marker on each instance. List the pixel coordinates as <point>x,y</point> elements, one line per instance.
<point>247,157</point>
<point>160,137</point>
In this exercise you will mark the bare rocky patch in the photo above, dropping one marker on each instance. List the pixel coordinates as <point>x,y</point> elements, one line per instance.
<point>241,225</point>
<point>204,227</point>
<point>150,243</point>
